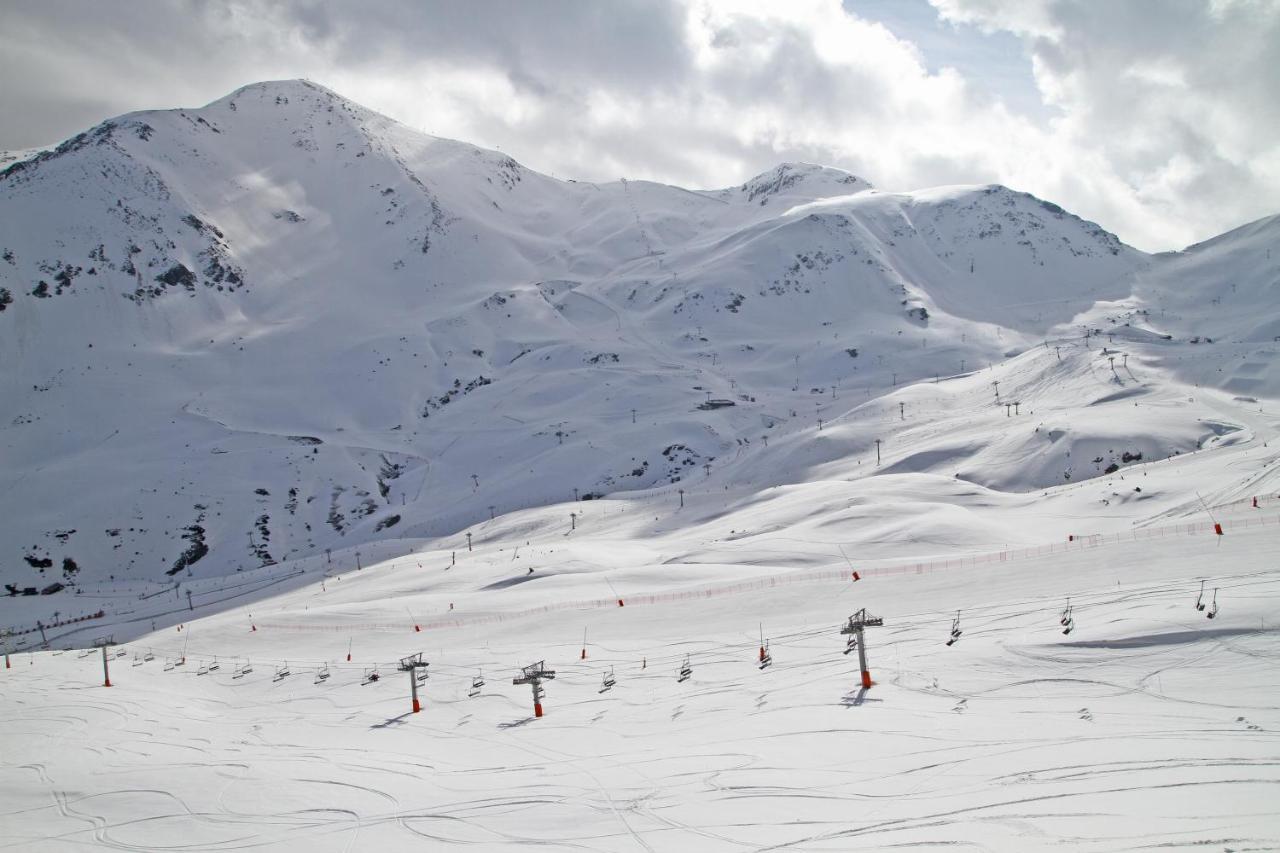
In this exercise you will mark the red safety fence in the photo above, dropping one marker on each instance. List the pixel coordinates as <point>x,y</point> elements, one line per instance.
<point>47,625</point>
<point>1074,544</point>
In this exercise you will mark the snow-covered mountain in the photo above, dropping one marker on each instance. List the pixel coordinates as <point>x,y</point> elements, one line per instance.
<point>283,324</point>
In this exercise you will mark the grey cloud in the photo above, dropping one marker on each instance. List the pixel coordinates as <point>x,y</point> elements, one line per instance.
<point>599,90</point>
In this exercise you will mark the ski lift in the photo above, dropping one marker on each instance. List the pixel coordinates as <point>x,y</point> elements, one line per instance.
<point>476,684</point>
<point>322,674</point>
<point>1066,614</point>
<point>282,672</point>
<point>121,653</point>
<point>84,653</point>
<point>182,661</point>
<point>1069,625</point>
<point>148,657</point>
<point>370,676</point>
<point>766,660</point>
<point>1213,608</point>
<point>1200,598</point>
<point>421,675</point>
<point>168,664</point>
<point>202,669</point>
<point>955,630</point>
<point>685,670</point>
<point>137,660</point>
<point>607,681</point>
<point>215,665</point>
<point>851,644</point>
<point>242,670</point>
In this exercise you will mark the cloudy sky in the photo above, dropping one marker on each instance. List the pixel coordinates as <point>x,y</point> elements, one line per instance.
<point>1159,119</point>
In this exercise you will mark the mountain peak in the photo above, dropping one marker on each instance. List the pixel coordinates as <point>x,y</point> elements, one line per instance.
<point>801,181</point>
<point>294,88</point>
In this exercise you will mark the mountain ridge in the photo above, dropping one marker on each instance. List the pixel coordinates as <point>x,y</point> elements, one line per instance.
<point>292,324</point>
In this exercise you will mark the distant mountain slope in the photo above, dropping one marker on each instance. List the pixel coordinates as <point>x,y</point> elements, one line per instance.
<point>283,323</point>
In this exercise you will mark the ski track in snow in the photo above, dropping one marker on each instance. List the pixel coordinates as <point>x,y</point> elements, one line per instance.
<point>1144,726</point>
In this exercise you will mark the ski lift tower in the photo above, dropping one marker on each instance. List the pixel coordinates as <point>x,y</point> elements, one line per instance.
<point>103,643</point>
<point>535,674</point>
<point>853,628</point>
<point>411,665</point>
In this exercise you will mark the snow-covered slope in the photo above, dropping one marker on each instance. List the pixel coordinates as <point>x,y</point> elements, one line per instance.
<point>293,391</point>
<point>282,324</point>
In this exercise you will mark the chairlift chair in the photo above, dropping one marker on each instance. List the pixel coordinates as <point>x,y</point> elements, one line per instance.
<point>607,681</point>
<point>1070,623</point>
<point>148,657</point>
<point>767,660</point>
<point>1200,597</point>
<point>370,676</point>
<point>851,644</point>
<point>282,672</point>
<point>685,670</point>
<point>242,670</point>
<point>168,664</point>
<point>955,630</point>
<point>1213,608</point>
<point>202,669</point>
<point>137,660</point>
<point>215,665</point>
<point>476,683</point>
<point>1066,614</point>
<point>421,676</point>
<point>322,674</point>
<point>121,653</point>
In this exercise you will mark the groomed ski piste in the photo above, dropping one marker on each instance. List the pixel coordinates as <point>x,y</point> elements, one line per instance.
<point>1147,725</point>
<point>1038,465</point>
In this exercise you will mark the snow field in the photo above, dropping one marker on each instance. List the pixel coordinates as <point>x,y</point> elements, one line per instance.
<point>1123,734</point>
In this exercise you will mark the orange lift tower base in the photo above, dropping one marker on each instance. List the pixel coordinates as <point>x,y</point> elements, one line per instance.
<point>535,674</point>
<point>853,628</point>
<point>411,665</point>
<point>103,643</point>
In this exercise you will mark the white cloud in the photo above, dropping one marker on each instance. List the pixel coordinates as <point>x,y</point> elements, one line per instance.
<point>1164,129</point>
<point>1179,102</point>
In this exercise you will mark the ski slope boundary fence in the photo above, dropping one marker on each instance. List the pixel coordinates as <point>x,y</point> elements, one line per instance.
<point>1076,543</point>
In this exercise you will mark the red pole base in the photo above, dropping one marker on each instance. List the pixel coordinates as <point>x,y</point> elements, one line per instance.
<point>857,576</point>
<point>866,679</point>
<point>348,657</point>
<point>107,683</point>
<point>620,604</point>
<point>253,628</point>
<point>762,653</point>
<point>1217,528</point>
<point>584,654</point>
<point>537,709</point>
<point>1255,503</point>
<point>416,629</point>
<point>417,706</point>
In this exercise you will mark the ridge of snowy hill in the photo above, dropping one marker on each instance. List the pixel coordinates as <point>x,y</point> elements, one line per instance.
<point>282,325</point>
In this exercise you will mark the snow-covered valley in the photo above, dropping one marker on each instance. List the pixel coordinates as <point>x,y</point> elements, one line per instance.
<point>287,382</point>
